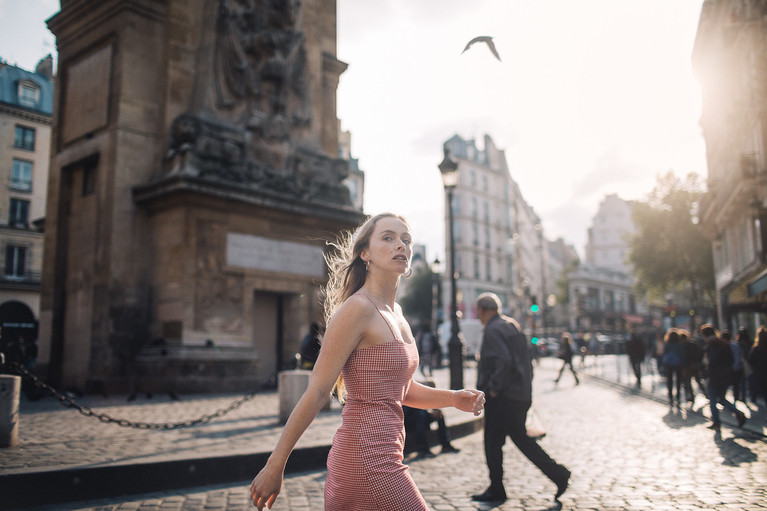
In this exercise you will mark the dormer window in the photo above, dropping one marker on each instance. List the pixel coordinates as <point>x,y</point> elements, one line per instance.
<point>29,94</point>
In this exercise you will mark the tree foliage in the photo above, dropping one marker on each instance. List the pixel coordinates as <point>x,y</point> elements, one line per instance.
<point>417,302</point>
<point>669,251</point>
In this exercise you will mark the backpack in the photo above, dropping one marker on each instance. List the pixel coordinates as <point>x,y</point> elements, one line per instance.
<point>671,359</point>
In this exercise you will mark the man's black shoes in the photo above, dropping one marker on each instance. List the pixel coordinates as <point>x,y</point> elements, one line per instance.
<point>490,495</point>
<point>562,481</point>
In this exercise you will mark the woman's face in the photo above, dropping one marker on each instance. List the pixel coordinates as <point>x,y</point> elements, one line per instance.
<point>390,248</point>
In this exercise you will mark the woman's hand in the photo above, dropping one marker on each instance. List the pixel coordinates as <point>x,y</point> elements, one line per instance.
<point>265,487</point>
<point>469,400</point>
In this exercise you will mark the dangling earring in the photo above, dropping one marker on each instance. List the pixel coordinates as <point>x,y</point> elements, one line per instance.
<point>408,273</point>
<point>367,265</point>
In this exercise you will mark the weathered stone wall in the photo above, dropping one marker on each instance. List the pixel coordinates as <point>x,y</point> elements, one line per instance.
<point>180,124</point>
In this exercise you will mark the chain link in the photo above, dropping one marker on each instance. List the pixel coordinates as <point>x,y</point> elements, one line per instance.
<point>68,402</point>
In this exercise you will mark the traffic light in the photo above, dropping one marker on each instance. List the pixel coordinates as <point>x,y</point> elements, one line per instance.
<point>534,340</point>
<point>534,307</point>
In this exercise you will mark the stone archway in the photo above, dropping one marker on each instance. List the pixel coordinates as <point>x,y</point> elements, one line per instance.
<point>19,330</point>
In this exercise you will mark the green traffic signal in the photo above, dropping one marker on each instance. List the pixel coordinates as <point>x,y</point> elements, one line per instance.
<point>534,308</point>
<point>534,340</point>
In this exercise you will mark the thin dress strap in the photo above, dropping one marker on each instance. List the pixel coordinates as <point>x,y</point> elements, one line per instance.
<point>388,323</point>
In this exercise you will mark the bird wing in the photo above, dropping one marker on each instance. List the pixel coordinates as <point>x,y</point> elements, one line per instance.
<point>491,45</point>
<point>475,40</point>
<point>483,39</point>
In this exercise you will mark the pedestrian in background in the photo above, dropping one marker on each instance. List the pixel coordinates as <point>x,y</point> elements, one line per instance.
<point>368,358</point>
<point>565,354</point>
<point>747,388</point>
<point>757,358</point>
<point>504,373</point>
<point>737,366</point>
<point>310,347</point>
<point>672,362</point>
<point>426,342</point>
<point>719,356</point>
<point>693,353</point>
<point>418,425</point>
<point>636,354</point>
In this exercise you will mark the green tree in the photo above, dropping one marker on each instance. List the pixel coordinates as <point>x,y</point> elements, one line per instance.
<point>669,252</point>
<point>417,302</point>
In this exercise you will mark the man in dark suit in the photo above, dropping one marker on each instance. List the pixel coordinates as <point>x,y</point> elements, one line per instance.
<point>505,374</point>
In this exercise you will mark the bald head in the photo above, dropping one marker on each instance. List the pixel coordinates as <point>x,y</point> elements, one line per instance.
<point>488,305</point>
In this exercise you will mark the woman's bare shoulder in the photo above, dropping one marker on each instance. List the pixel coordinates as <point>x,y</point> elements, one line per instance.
<point>356,306</point>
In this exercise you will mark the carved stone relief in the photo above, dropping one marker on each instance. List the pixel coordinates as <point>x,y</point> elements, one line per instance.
<point>262,103</point>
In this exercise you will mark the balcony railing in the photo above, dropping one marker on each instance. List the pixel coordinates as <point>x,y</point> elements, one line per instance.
<point>28,278</point>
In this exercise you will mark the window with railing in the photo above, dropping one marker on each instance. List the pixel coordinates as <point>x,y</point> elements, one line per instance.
<point>21,175</point>
<point>24,138</point>
<point>19,213</point>
<point>15,261</point>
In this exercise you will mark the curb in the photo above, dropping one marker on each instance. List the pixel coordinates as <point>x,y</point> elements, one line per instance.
<point>25,490</point>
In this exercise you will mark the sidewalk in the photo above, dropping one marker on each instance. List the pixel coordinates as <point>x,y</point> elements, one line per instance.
<point>75,457</point>
<point>616,370</point>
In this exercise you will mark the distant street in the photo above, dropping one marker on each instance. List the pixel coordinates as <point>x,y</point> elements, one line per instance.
<point>626,452</point>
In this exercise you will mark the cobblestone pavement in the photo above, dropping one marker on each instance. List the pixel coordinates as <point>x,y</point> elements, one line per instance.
<point>626,452</point>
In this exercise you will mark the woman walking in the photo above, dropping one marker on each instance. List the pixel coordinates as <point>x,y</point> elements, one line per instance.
<point>566,355</point>
<point>368,356</point>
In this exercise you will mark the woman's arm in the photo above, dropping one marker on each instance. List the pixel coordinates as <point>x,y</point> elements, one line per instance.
<point>344,332</point>
<point>421,396</point>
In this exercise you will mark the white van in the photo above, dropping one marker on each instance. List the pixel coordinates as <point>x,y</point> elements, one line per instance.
<point>471,331</point>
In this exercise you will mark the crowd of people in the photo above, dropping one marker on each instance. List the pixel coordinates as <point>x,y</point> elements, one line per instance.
<point>716,362</point>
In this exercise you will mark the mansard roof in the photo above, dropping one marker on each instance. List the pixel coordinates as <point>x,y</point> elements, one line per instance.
<point>10,79</point>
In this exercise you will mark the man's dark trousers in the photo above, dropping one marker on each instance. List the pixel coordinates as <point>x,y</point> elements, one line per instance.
<point>504,416</point>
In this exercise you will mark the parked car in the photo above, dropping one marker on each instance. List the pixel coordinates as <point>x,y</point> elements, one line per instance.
<point>610,344</point>
<point>471,331</point>
<point>548,346</point>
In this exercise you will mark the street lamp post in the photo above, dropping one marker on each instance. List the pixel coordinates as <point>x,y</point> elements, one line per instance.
<point>449,170</point>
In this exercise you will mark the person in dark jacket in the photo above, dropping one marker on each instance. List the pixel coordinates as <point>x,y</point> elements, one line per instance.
<point>310,347</point>
<point>720,361</point>
<point>757,358</point>
<point>504,374</point>
<point>636,353</point>
<point>692,370</point>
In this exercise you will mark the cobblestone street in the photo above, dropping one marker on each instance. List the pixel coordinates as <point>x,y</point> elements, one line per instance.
<point>626,452</point>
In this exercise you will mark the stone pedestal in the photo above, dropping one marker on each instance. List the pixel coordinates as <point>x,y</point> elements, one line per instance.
<point>291,386</point>
<point>10,390</point>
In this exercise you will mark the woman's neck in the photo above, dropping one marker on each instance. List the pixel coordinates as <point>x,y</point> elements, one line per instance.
<point>385,293</point>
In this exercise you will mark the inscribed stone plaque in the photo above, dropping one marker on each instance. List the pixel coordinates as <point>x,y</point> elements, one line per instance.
<point>259,253</point>
<point>86,103</point>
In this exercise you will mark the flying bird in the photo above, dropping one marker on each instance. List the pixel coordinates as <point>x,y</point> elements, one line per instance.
<point>483,39</point>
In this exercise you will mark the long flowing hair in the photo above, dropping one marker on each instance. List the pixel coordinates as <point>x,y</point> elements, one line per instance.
<point>347,273</point>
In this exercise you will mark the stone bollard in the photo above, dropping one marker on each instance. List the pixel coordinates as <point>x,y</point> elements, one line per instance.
<point>10,392</point>
<point>291,385</point>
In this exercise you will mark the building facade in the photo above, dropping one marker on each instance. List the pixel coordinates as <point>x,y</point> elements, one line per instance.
<point>499,240</point>
<point>730,62</point>
<point>607,244</point>
<point>601,290</point>
<point>26,113</point>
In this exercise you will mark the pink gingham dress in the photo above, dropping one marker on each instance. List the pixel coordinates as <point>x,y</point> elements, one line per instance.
<point>365,469</point>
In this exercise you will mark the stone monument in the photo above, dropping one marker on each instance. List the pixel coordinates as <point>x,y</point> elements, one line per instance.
<point>194,182</point>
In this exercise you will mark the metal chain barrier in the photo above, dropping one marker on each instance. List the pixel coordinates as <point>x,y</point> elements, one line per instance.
<point>68,402</point>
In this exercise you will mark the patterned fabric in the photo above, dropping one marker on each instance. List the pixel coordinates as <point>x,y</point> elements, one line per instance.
<point>365,469</point>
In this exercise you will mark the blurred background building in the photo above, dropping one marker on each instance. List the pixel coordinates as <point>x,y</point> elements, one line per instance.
<point>730,62</point>
<point>26,115</point>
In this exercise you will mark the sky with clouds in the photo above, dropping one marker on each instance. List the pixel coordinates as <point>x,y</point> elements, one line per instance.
<point>591,97</point>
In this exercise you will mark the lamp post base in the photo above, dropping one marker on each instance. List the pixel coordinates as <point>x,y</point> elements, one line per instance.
<point>456,362</point>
